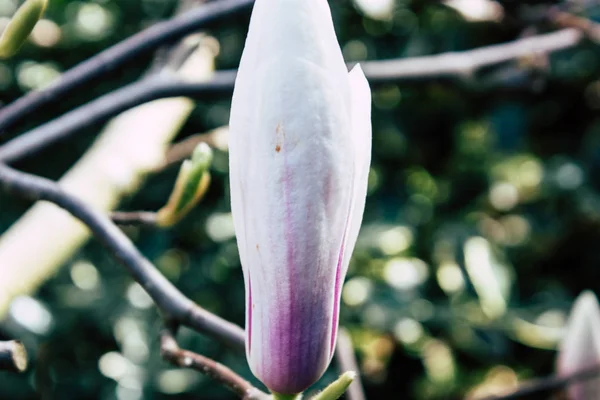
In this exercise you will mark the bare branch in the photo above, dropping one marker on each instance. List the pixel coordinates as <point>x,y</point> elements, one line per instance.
<point>143,218</point>
<point>115,56</point>
<point>171,352</point>
<point>13,356</point>
<point>167,297</point>
<point>105,107</point>
<point>346,360</point>
<point>565,19</point>
<point>551,383</point>
<point>458,64</point>
<point>184,149</point>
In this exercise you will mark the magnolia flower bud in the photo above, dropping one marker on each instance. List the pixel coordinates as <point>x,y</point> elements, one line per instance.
<point>580,347</point>
<point>300,144</point>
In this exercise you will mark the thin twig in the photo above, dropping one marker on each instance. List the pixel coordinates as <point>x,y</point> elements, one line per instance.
<point>216,138</point>
<point>565,19</point>
<point>13,356</point>
<point>115,56</point>
<point>183,150</point>
<point>103,108</point>
<point>346,359</point>
<point>171,352</point>
<point>551,383</point>
<point>166,296</point>
<point>137,218</point>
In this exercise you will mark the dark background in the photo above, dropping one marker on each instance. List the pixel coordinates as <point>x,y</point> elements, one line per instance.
<point>497,170</point>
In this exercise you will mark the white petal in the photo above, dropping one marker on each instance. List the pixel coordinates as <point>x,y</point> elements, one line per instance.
<point>361,140</point>
<point>360,137</point>
<point>580,347</point>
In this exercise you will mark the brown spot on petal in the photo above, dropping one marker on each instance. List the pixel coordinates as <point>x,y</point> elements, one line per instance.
<point>257,247</point>
<point>279,137</point>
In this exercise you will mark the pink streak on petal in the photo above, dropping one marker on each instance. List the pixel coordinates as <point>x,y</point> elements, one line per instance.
<point>289,237</point>
<point>336,299</point>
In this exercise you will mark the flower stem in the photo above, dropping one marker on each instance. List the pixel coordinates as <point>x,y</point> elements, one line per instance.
<point>277,396</point>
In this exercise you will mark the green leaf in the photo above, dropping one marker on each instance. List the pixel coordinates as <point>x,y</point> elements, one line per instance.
<point>337,388</point>
<point>20,26</point>
<point>190,186</point>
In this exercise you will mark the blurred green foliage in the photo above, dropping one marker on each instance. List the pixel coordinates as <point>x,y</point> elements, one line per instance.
<point>481,226</point>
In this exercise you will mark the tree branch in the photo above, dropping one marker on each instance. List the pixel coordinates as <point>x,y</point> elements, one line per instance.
<point>216,138</point>
<point>167,297</point>
<point>105,107</point>
<point>171,352</point>
<point>13,356</point>
<point>565,19</point>
<point>138,218</point>
<point>465,63</point>
<point>115,56</point>
<point>548,384</point>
